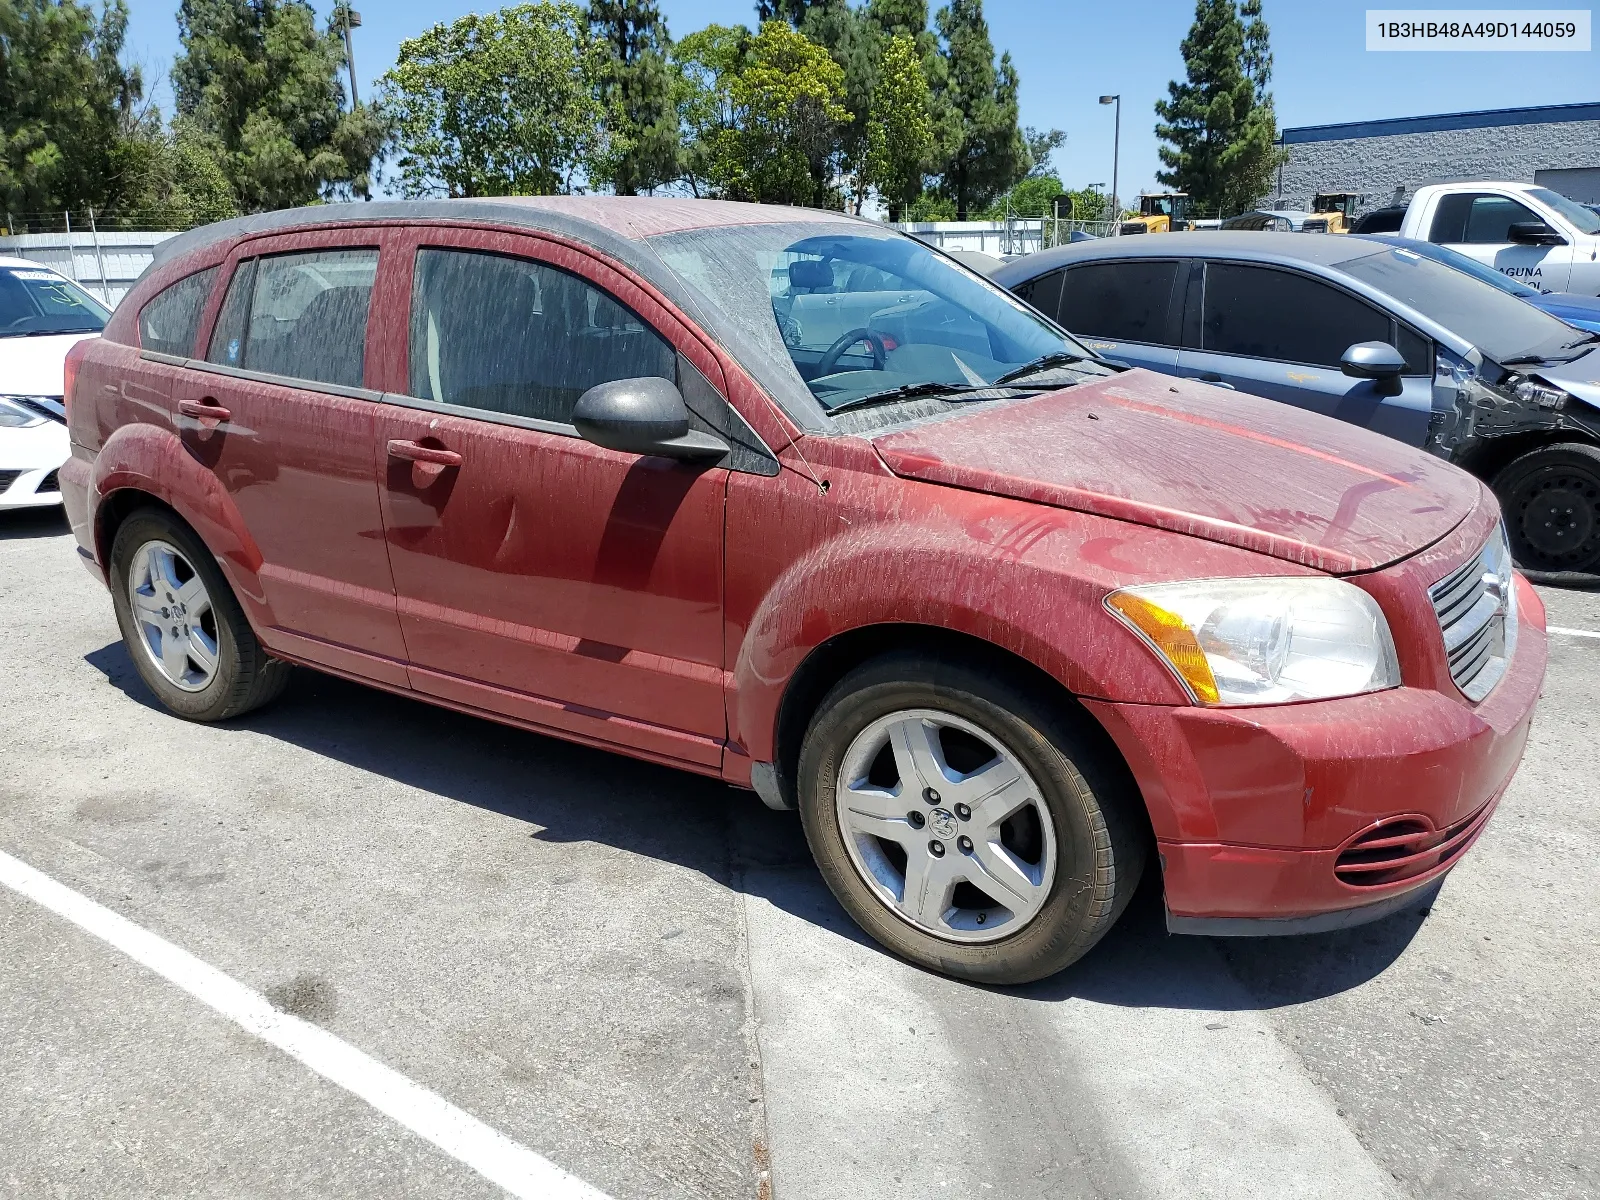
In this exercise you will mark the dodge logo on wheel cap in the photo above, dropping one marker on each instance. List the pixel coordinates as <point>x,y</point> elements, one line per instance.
<point>942,822</point>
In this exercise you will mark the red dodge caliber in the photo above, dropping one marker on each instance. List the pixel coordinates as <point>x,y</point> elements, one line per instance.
<point>794,501</point>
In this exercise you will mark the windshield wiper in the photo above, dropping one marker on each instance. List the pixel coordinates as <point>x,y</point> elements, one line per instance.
<point>907,391</point>
<point>1057,358</point>
<point>1529,360</point>
<point>54,332</point>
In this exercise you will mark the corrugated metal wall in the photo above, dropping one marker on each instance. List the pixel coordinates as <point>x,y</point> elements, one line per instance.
<point>105,264</point>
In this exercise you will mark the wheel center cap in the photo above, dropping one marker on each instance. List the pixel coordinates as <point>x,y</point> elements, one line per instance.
<point>942,822</point>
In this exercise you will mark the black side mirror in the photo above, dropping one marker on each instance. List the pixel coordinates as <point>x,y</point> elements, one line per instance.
<point>1378,361</point>
<point>646,415</point>
<point>1534,233</point>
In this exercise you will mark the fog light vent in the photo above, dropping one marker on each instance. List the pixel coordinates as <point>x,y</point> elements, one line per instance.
<point>1404,848</point>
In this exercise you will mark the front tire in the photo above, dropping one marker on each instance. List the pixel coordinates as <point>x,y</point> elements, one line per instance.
<point>183,627</point>
<point>967,823</point>
<point>1551,501</point>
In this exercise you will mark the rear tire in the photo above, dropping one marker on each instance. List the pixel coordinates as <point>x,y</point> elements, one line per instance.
<point>1029,896</point>
<point>189,639</point>
<point>1551,500</point>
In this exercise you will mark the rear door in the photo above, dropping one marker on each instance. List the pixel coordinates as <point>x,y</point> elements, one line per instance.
<point>1123,309</point>
<point>1280,334</point>
<point>1478,225</point>
<point>539,575</point>
<point>279,412</point>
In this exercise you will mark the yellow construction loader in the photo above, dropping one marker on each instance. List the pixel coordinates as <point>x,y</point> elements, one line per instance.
<point>1333,212</point>
<point>1159,212</point>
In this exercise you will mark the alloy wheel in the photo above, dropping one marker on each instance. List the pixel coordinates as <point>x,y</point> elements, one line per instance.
<point>172,610</point>
<point>945,826</point>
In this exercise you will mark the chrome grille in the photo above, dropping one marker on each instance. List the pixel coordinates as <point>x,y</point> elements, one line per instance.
<point>1476,606</point>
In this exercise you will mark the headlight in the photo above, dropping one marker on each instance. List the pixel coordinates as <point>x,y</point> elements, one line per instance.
<point>15,416</point>
<point>1264,641</point>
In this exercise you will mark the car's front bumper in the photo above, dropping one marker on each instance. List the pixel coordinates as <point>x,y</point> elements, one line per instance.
<point>29,461</point>
<point>1254,809</point>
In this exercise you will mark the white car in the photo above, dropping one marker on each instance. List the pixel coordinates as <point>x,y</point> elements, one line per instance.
<point>42,315</point>
<point>1535,235</point>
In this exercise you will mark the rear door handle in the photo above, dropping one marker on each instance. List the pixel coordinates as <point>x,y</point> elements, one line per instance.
<point>1216,380</point>
<point>204,410</point>
<point>412,452</point>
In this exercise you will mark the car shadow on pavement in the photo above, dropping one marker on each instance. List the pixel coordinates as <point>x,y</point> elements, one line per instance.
<point>572,793</point>
<point>21,523</point>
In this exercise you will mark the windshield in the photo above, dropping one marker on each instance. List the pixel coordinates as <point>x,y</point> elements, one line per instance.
<point>36,301</point>
<point>844,317</point>
<point>1467,266</point>
<point>1502,326</point>
<point>1583,218</point>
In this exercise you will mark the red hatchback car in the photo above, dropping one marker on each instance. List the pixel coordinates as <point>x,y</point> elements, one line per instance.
<point>794,501</point>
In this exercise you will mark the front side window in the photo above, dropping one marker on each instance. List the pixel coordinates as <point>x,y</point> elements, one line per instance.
<point>36,301</point>
<point>302,315</point>
<point>1123,301</point>
<point>1264,313</point>
<point>513,336</point>
<point>1477,219</point>
<point>832,316</point>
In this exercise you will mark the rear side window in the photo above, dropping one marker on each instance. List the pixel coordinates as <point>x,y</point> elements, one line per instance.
<point>1044,293</point>
<point>303,316</point>
<point>1123,301</point>
<point>1476,218</point>
<point>170,319</point>
<point>1262,313</point>
<point>511,336</point>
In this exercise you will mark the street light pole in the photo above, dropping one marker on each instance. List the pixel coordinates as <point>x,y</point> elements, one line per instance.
<point>352,20</point>
<point>1116,154</point>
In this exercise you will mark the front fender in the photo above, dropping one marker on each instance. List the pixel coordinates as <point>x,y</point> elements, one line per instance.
<point>155,462</point>
<point>1026,578</point>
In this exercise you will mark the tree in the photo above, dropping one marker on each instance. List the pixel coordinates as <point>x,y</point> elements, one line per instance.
<point>986,154</point>
<point>1042,143</point>
<point>778,131</point>
<point>900,131</point>
<point>636,85</point>
<point>856,45</point>
<point>1219,124</point>
<point>704,65</point>
<point>499,105</point>
<point>260,84</point>
<point>65,102</point>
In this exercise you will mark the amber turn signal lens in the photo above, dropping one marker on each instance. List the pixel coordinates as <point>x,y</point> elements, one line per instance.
<point>1171,638</point>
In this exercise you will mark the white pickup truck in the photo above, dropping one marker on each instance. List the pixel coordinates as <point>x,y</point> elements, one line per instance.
<point>1536,236</point>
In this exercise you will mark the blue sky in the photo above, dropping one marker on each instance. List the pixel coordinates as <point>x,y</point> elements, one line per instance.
<point>1069,52</point>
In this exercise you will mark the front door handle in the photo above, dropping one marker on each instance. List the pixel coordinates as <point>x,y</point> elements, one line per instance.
<point>436,455</point>
<point>1216,380</point>
<point>204,410</point>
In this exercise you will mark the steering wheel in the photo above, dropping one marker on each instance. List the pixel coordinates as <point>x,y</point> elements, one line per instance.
<point>830,356</point>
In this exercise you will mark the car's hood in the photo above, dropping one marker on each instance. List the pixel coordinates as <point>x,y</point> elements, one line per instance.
<point>1573,308</point>
<point>1581,376</point>
<point>32,366</point>
<point>1203,461</point>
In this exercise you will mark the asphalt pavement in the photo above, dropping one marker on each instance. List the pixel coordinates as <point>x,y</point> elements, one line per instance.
<point>634,976</point>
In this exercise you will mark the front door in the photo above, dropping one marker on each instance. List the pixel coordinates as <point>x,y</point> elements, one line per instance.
<point>1281,335</point>
<point>539,575</point>
<point>1478,224</point>
<point>279,413</point>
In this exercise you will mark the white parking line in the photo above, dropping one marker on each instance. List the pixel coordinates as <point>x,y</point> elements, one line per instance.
<point>468,1140</point>
<point>1565,632</point>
